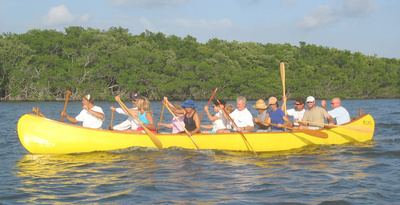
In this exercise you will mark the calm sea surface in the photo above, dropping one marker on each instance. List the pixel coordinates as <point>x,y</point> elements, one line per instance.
<point>350,174</point>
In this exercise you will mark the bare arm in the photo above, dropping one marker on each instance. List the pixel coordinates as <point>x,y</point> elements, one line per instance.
<point>96,114</point>
<point>197,122</point>
<point>151,123</point>
<point>69,118</point>
<point>210,117</point>
<point>175,110</point>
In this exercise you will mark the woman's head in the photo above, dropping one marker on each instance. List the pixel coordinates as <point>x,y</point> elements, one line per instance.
<point>189,105</point>
<point>143,104</point>
<point>229,108</point>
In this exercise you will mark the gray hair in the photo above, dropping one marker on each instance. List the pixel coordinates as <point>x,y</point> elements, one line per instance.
<point>241,98</point>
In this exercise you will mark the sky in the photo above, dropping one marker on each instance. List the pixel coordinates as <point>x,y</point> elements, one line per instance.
<point>371,27</point>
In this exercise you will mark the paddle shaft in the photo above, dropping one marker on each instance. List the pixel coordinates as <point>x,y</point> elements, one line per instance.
<point>283,79</point>
<point>314,133</point>
<point>67,95</point>
<point>246,142</point>
<point>153,138</point>
<point>184,128</point>
<point>112,119</point>
<point>209,101</point>
<point>162,115</point>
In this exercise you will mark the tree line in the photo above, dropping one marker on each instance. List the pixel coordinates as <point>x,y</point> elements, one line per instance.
<point>41,64</point>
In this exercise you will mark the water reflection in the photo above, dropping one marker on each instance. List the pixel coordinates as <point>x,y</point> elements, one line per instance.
<point>178,176</point>
<point>87,177</point>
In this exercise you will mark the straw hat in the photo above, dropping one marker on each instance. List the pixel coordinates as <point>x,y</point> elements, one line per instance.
<point>260,104</point>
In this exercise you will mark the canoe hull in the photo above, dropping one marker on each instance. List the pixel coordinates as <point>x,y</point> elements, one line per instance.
<point>40,135</point>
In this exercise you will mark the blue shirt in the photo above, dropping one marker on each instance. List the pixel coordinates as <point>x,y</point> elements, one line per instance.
<point>276,118</point>
<point>143,118</point>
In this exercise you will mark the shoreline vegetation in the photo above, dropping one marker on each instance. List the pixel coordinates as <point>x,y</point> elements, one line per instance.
<point>40,65</point>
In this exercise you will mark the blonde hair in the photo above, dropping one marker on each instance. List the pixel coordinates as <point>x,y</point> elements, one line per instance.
<point>143,104</point>
<point>229,108</point>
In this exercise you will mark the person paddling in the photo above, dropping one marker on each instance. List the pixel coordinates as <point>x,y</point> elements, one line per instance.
<point>129,123</point>
<point>262,115</point>
<point>276,115</point>
<point>91,116</point>
<point>219,122</point>
<point>191,118</point>
<point>145,115</point>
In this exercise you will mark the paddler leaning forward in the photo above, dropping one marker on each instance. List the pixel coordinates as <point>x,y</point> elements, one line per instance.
<point>91,116</point>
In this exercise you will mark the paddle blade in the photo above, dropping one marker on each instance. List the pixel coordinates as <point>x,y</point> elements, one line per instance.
<point>315,133</point>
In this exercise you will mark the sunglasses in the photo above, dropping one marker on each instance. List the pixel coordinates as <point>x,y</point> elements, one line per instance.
<point>297,104</point>
<point>310,102</point>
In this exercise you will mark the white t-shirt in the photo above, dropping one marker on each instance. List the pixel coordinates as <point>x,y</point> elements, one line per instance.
<point>340,114</point>
<point>89,120</point>
<point>242,118</point>
<point>128,123</point>
<point>220,123</point>
<point>297,115</point>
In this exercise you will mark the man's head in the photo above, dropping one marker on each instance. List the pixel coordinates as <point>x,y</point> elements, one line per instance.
<point>87,100</point>
<point>335,102</point>
<point>241,103</point>
<point>310,102</point>
<point>299,104</point>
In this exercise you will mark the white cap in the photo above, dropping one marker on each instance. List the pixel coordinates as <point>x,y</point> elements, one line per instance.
<point>310,99</point>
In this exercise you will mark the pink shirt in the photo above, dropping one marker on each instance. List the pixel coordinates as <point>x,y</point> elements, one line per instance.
<point>177,124</point>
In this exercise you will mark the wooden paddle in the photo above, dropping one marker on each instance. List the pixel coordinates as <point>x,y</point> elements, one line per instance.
<point>209,101</point>
<point>283,79</point>
<point>161,115</point>
<point>314,133</point>
<point>360,129</point>
<point>112,119</point>
<point>246,142</point>
<point>153,137</point>
<point>67,95</point>
<point>186,131</point>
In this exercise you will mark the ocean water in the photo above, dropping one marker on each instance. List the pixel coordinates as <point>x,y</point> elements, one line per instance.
<point>367,173</point>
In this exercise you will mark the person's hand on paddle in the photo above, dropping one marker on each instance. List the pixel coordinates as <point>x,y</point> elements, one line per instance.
<point>85,107</point>
<point>64,114</point>
<point>112,108</point>
<point>205,108</point>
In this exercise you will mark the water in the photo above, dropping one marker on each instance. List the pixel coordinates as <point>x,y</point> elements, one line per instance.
<point>349,174</point>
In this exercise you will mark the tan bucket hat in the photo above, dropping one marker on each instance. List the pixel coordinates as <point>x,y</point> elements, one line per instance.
<point>260,104</point>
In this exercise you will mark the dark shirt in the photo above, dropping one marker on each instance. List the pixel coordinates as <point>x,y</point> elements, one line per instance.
<point>190,124</point>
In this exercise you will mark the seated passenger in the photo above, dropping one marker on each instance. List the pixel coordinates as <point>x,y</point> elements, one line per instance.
<point>177,125</point>
<point>315,116</point>
<point>91,115</point>
<point>242,116</point>
<point>338,112</point>
<point>262,115</point>
<point>276,115</point>
<point>191,118</point>
<point>144,114</point>
<point>297,112</point>
<point>218,120</point>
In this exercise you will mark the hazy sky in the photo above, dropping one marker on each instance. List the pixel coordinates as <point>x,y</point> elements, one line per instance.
<point>369,26</point>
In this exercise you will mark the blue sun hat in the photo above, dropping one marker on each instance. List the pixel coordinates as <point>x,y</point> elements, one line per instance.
<point>189,104</point>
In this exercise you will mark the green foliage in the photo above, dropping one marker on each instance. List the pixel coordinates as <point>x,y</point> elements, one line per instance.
<point>41,64</point>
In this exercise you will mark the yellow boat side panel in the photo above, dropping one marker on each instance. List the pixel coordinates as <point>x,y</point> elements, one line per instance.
<point>44,136</point>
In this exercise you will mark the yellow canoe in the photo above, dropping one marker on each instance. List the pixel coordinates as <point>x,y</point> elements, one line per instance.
<point>41,135</point>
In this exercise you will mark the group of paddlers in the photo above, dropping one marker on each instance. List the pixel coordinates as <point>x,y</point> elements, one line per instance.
<point>225,119</point>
